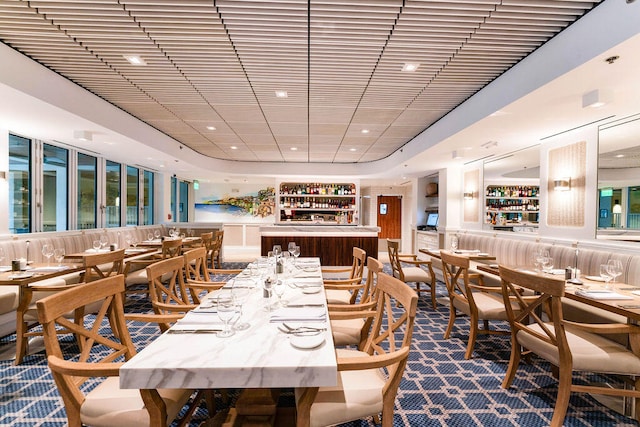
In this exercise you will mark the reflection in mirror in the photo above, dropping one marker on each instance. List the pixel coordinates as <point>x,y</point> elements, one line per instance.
<point>512,186</point>
<point>619,179</point>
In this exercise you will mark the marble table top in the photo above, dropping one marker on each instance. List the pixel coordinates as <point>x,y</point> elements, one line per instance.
<point>260,356</point>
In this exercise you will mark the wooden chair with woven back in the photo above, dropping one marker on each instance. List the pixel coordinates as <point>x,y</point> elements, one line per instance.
<point>368,378</point>
<point>469,295</point>
<point>351,323</point>
<point>407,267</point>
<point>346,291</point>
<point>103,353</point>
<point>538,326</point>
<point>214,249</point>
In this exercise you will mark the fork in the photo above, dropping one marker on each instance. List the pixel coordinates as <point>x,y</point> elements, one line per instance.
<point>302,329</point>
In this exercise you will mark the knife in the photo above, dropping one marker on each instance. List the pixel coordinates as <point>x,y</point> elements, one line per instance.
<point>193,331</point>
<point>304,305</point>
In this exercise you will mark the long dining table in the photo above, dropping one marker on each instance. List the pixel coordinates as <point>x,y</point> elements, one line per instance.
<point>265,355</point>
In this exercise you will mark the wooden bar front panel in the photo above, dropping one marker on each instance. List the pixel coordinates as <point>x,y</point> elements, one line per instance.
<point>332,250</point>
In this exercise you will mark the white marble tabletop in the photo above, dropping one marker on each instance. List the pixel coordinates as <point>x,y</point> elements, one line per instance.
<point>260,356</point>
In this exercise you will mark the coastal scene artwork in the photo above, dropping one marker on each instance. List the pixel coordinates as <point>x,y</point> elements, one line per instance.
<point>235,203</point>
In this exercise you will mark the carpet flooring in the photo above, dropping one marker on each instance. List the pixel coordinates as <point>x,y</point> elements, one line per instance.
<point>440,387</point>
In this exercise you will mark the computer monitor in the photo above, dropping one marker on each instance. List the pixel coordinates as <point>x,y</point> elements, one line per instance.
<point>432,220</point>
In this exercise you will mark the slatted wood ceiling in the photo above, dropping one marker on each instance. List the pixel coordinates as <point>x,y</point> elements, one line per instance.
<point>218,63</point>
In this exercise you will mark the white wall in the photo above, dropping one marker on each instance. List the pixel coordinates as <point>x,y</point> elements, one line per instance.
<point>4,183</point>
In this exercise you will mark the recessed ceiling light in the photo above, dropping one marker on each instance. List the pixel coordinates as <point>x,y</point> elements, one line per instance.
<point>82,135</point>
<point>365,131</point>
<point>409,67</point>
<point>619,156</point>
<point>211,127</point>
<point>282,94</point>
<point>135,59</point>
<point>353,149</point>
<point>233,147</point>
<point>293,148</point>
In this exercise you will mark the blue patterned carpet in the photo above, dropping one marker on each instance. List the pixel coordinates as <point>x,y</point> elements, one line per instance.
<point>440,388</point>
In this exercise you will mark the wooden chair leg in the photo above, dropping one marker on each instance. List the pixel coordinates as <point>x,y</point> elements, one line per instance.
<point>452,319</point>
<point>433,297</point>
<point>514,362</point>
<point>473,333</point>
<point>562,400</point>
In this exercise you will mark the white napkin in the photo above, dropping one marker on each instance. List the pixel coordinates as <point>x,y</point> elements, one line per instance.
<point>200,319</point>
<point>299,314</point>
<point>601,294</point>
<point>50,269</point>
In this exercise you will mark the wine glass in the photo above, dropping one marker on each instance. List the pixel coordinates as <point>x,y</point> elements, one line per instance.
<point>291,248</point>
<point>240,290</point>
<point>96,245</point>
<point>134,241</point>
<point>226,308</point>
<point>156,234</point>
<point>279,288</point>
<point>606,276</point>
<point>104,240</point>
<point>47,252</point>
<point>547,264</point>
<point>614,267</point>
<point>150,236</point>
<point>454,243</point>
<point>296,254</point>
<point>58,255</point>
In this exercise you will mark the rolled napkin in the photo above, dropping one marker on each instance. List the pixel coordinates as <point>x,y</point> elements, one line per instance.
<point>299,314</point>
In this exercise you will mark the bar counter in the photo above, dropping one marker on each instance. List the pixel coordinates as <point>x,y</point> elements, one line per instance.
<point>333,244</point>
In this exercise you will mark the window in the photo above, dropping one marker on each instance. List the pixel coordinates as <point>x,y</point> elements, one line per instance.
<point>174,191</point>
<point>87,183</point>
<point>184,201</point>
<point>19,184</point>
<point>55,182</point>
<point>132,195</point>
<point>112,201</point>
<point>148,198</point>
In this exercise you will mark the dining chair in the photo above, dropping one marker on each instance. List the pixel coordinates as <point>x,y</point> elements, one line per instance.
<point>469,295</point>
<point>345,291</point>
<point>368,379</point>
<point>407,267</point>
<point>167,292</point>
<point>95,266</point>
<point>135,269</point>
<point>102,355</point>
<point>539,327</point>
<point>350,323</point>
<point>197,279</point>
<point>214,249</point>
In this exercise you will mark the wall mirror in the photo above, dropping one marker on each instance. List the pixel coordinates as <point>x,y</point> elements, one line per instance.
<point>618,214</point>
<point>511,191</point>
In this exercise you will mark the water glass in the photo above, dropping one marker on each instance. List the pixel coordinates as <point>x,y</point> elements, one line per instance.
<point>606,276</point>
<point>547,264</point>
<point>226,308</point>
<point>96,245</point>
<point>240,292</point>
<point>614,266</point>
<point>104,240</point>
<point>58,255</point>
<point>47,252</point>
<point>291,248</point>
<point>279,288</point>
<point>454,243</point>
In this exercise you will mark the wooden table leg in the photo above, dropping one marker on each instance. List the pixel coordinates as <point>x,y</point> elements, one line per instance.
<point>303,406</point>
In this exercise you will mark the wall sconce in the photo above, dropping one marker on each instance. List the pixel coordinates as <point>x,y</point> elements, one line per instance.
<point>468,195</point>
<point>3,175</point>
<point>562,184</point>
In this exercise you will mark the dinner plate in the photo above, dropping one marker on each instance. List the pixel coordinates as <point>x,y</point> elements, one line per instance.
<point>309,269</point>
<point>311,289</point>
<point>23,275</point>
<point>307,342</point>
<point>595,278</point>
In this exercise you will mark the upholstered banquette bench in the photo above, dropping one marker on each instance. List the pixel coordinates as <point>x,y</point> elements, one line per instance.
<point>76,241</point>
<point>520,252</point>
